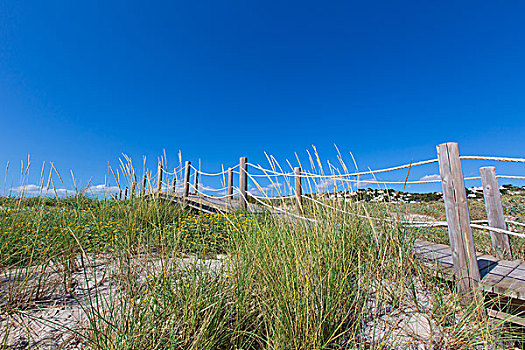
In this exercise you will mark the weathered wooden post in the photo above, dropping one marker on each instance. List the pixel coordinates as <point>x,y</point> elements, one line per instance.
<point>174,184</point>
<point>298,190</point>
<point>126,193</point>
<point>143,190</point>
<point>187,169</point>
<point>243,182</point>
<point>196,182</point>
<point>458,220</point>
<point>230,185</point>
<point>496,218</point>
<point>159,179</point>
<point>119,194</point>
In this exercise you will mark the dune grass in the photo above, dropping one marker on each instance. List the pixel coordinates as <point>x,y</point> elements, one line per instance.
<point>183,280</point>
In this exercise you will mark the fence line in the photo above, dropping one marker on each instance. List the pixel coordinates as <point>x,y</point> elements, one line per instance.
<point>345,212</point>
<point>451,178</point>
<point>318,176</point>
<point>497,159</point>
<point>269,173</point>
<point>515,223</point>
<point>199,192</point>
<point>285,211</point>
<point>213,174</point>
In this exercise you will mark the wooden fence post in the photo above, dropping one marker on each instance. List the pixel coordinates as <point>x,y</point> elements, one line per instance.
<point>159,179</point>
<point>243,182</point>
<point>298,190</point>
<point>459,230</point>
<point>230,184</point>
<point>143,190</point>
<point>187,169</point>
<point>126,193</point>
<point>174,184</point>
<point>119,194</point>
<point>196,182</point>
<point>494,207</point>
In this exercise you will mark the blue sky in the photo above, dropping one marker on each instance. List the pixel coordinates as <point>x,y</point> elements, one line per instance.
<point>82,83</point>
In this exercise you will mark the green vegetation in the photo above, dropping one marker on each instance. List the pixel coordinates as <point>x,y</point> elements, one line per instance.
<point>174,279</point>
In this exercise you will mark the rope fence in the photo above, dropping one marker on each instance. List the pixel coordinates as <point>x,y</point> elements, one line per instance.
<point>326,190</point>
<point>319,184</point>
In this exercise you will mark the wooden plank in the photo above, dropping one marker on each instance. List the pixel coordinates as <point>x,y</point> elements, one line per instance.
<point>495,215</point>
<point>421,243</point>
<point>187,169</point>
<point>502,277</point>
<point>513,284</point>
<point>298,191</point>
<point>243,182</point>
<point>460,233</point>
<point>501,315</point>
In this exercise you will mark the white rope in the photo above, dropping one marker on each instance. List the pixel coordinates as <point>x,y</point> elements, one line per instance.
<point>212,174</point>
<point>273,198</point>
<point>310,175</point>
<point>429,224</point>
<point>499,230</point>
<point>174,172</point>
<point>481,227</point>
<point>498,159</point>
<point>213,189</point>
<point>514,223</point>
<point>438,223</point>
<point>344,211</point>
<point>207,195</point>
<point>342,177</point>
<point>391,182</point>
<point>371,171</point>
<point>510,177</point>
<point>268,175</point>
<point>401,182</point>
<point>472,178</point>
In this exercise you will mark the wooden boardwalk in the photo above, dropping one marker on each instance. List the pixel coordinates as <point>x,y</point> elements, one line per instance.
<point>209,204</point>
<point>205,204</point>
<point>501,277</point>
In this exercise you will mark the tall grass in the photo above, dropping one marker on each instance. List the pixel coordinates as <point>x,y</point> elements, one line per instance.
<point>174,279</point>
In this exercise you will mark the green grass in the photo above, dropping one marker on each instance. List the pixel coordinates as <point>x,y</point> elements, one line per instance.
<point>284,285</point>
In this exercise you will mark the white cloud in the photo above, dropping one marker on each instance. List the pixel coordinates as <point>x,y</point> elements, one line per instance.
<point>275,185</point>
<point>430,177</point>
<point>34,190</point>
<point>252,191</point>
<point>323,184</point>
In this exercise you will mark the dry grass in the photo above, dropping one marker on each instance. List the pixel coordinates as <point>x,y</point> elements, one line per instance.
<point>141,274</point>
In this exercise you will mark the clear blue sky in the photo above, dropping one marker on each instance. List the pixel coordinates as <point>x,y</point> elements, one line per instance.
<point>83,82</point>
